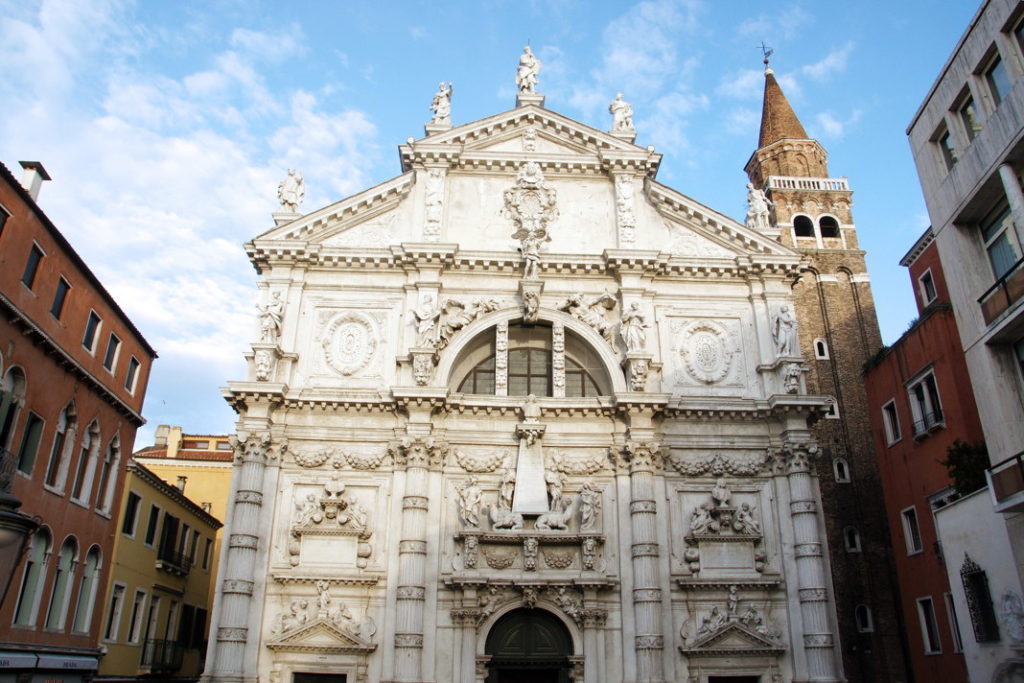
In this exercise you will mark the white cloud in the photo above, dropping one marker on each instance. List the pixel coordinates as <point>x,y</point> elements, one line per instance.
<point>747,84</point>
<point>271,47</point>
<point>831,63</point>
<point>786,24</point>
<point>742,121</point>
<point>417,32</point>
<point>828,125</point>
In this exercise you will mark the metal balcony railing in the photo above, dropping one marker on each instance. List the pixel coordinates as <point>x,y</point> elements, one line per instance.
<point>927,423</point>
<point>1006,483</point>
<point>160,655</point>
<point>172,561</point>
<point>1003,294</point>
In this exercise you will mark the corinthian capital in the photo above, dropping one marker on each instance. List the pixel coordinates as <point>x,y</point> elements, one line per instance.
<point>256,446</point>
<point>795,456</point>
<point>418,452</point>
<point>638,456</point>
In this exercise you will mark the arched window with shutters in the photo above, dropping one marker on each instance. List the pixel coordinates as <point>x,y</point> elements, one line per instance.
<point>12,398</point>
<point>108,475</point>
<point>60,451</point>
<point>88,454</point>
<point>60,595</point>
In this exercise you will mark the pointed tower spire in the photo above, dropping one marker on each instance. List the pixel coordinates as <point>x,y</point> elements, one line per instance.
<point>778,120</point>
<point>783,149</point>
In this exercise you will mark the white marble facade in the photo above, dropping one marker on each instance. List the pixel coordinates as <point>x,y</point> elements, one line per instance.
<point>399,500</point>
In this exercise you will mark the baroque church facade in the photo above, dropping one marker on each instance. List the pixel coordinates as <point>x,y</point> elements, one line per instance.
<point>523,412</point>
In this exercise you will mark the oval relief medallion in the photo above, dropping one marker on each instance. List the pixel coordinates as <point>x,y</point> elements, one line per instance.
<point>350,342</point>
<point>706,351</point>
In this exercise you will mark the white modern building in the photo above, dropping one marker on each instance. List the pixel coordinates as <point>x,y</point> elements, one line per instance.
<point>524,413</point>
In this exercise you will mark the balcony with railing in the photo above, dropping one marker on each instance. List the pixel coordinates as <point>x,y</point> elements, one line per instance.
<point>929,422</point>
<point>1004,293</point>
<point>174,562</point>
<point>780,182</point>
<point>1006,484</point>
<point>161,656</point>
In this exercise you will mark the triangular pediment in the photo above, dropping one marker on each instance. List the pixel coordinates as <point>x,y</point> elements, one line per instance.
<point>733,639</point>
<point>321,635</point>
<point>509,132</point>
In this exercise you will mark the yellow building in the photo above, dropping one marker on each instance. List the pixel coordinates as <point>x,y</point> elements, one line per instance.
<point>157,603</point>
<point>200,465</point>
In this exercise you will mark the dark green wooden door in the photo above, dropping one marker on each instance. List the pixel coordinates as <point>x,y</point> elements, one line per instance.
<point>529,646</point>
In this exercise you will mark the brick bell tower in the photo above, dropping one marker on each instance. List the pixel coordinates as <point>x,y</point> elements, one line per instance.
<point>838,332</point>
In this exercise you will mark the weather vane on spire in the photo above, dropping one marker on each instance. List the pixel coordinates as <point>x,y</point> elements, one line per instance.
<point>767,52</point>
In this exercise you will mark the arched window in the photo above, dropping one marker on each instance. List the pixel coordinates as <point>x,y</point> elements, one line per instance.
<point>60,452</point>
<point>87,591</point>
<point>12,398</point>
<point>108,475</point>
<point>851,538</point>
<point>829,226</point>
<point>842,470</point>
<point>32,579</point>
<point>820,349</point>
<point>88,454</point>
<point>56,613</point>
<point>862,614</point>
<point>803,226</point>
<point>533,364</point>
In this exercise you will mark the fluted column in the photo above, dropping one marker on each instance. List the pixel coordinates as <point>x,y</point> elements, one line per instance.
<point>819,640</point>
<point>644,459</point>
<point>416,455</point>
<point>232,633</point>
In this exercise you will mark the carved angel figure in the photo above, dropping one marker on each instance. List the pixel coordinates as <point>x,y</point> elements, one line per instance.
<point>701,521</point>
<point>295,616</point>
<point>526,74</point>
<point>307,510</point>
<point>442,103</point>
<point>589,311</point>
<point>744,521</point>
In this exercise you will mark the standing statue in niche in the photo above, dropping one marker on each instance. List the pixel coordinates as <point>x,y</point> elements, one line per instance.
<point>590,503</point>
<point>758,206</point>
<point>270,319</point>
<point>470,499</point>
<point>784,332</point>
<point>526,74</point>
<point>291,191</point>
<point>555,482</point>
<point>442,103</point>
<point>632,329</point>
<point>427,316</point>
<point>507,488</point>
<point>622,114</point>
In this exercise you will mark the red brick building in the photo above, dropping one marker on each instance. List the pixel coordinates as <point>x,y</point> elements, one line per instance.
<point>921,401</point>
<point>73,374</point>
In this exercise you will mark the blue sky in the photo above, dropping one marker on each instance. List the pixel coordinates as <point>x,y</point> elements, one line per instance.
<point>167,125</point>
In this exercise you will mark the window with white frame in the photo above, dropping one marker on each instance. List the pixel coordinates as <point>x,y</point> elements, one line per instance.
<point>820,349</point>
<point>60,452</point>
<point>60,594</point>
<point>926,283</point>
<point>136,618</point>
<point>87,590</point>
<point>81,489</point>
<point>833,410</point>
<point>911,531</point>
<point>92,330</point>
<point>997,233</point>
<point>954,623</point>
<point>114,613</point>
<point>862,615</point>
<point>132,376</point>
<point>929,626</point>
<point>841,469</point>
<point>131,514</point>
<point>113,350</point>
<point>925,406</point>
<point>33,578</point>
<point>891,419</point>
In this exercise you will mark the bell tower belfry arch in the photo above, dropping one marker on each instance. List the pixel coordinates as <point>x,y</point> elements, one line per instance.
<point>838,332</point>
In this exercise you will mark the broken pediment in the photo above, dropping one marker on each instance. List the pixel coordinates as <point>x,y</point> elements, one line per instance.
<point>322,636</point>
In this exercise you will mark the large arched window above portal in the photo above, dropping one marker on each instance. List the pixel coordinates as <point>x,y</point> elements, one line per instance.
<point>533,362</point>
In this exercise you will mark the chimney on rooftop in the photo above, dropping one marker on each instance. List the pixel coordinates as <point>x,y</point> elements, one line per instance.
<point>33,178</point>
<point>182,480</point>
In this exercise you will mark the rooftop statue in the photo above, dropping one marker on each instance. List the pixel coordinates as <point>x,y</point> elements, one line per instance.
<point>526,74</point>
<point>442,103</point>
<point>291,191</point>
<point>622,114</point>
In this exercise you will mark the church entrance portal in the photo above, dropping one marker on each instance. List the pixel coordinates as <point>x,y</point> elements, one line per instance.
<point>528,646</point>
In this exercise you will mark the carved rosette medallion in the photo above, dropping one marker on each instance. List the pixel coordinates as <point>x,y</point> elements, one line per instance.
<point>349,341</point>
<point>707,351</point>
